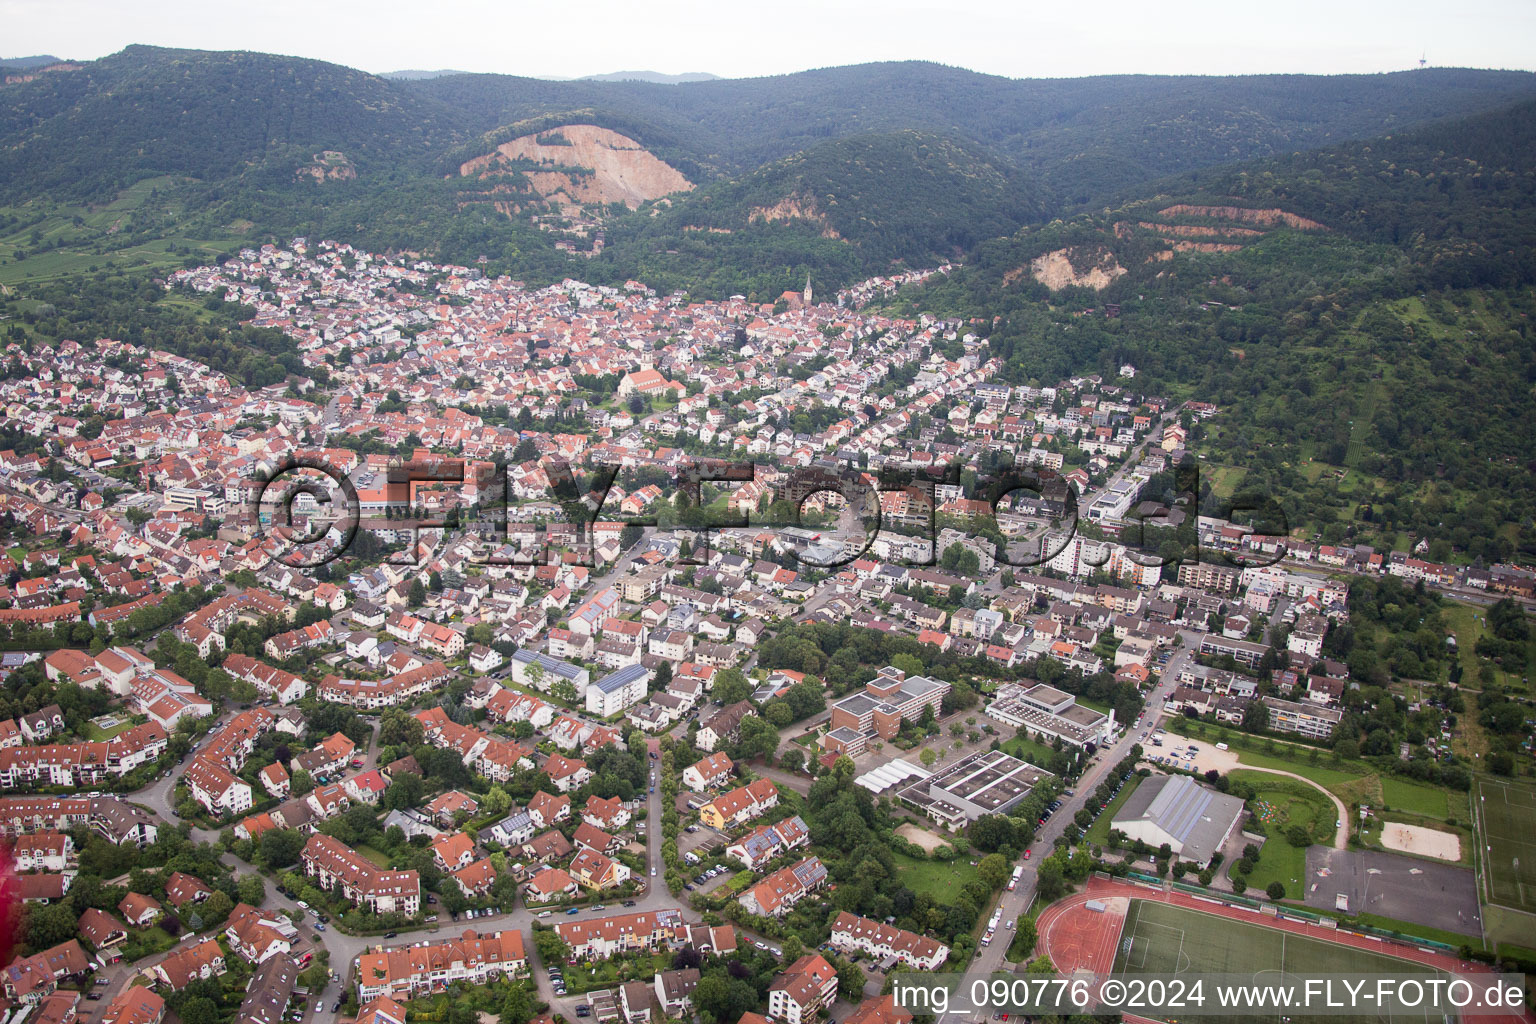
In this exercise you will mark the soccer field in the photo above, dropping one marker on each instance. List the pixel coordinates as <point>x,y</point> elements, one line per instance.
<point>1161,939</point>
<point>1506,816</point>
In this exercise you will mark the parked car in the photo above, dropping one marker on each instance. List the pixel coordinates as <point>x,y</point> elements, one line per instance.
<point>574,910</point>
<point>390,935</point>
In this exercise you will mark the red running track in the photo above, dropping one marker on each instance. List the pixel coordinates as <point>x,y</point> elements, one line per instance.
<point>1076,938</point>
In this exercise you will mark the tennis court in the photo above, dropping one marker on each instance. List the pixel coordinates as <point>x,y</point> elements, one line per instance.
<point>1506,814</point>
<point>1159,938</point>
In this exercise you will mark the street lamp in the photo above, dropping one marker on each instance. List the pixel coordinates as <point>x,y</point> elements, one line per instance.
<point>1365,897</point>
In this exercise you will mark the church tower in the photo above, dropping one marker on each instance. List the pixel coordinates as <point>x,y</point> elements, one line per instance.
<point>807,295</point>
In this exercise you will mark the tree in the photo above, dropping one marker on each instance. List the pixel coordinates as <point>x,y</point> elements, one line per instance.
<point>928,757</point>
<point>50,925</point>
<point>850,981</point>
<point>993,870</point>
<point>397,728</point>
<point>199,1010</point>
<point>731,686</point>
<point>281,847</point>
<point>990,832</point>
<point>1275,890</point>
<point>252,889</point>
<point>496,802</point>
<point>300,782</point>
<point>758,739</point>
<point>552,949</point>
<point>1050,881</point>
<point>217,907</point>
<point>404,791</point>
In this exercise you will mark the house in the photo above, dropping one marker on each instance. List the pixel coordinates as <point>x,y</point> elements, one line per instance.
<point>258,935</point>
<point>43,723</point>
<point>619,690</point>
<point>854,934</point>
<point>714,770</point>
<point>724,726</point>
<point>405,972</point>
<point>807,986</point>
<point>275,780</point>
<point>336,866</point>
<point>329,757</point>
<point>218,789</point>
<point>549,884</point>
<point>135,1005</point>
<point>597,870</point>
<point>138,910</point>
<point>101,929</point>
<point>182,889</point>
<point>195,963</point>
<point>450,852</point>
<point>767,842</point>
<point>546,809</point>
<point>775,895</point>
<point>44,888</point>
<point>447,808</point>
<point>366,787</point>
<point>382,1010</point>
<point>476,879</point>
<point>483,659</point>
<point>567,773</point>
<point>546,848</point>
<point>269,992</point>
<point>43,851</point>
<point>32,979</point>
<point>606,813</point>
<point>593,838</point>
<point>674,992</point>
<point>740,805</point>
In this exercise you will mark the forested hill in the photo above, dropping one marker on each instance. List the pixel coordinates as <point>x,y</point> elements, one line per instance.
<point>1364,315</point>
<point>1086,137</point>
<point>845,208</point>
<point>149,111</point>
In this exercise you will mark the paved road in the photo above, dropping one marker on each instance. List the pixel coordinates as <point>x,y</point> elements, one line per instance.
<point>991,959</point>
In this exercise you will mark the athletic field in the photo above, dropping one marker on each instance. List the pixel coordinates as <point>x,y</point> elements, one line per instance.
<point>1158,938</point>
<point>1506,816</point>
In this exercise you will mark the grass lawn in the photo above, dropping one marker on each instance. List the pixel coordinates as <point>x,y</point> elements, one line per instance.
<point>1402,795</point>
<point>940,879</point>
<point>1506,810</point>
<point>147,942</point>
<point>1279,809</point>
<point>1033,751</point>
<point>1469,623</point>
<point>1098,832</point>
<point>96,734</point>
<point>1224,479</point>
<point>595,974</point>
<point>379,857</point>
<point>1161,939</point>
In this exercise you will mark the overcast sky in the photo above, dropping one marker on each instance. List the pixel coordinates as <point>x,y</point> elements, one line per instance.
<point>1016,38</point>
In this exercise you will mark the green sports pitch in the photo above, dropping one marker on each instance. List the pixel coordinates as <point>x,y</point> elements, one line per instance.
<point>1158,938</point>
<point>1506,816</point>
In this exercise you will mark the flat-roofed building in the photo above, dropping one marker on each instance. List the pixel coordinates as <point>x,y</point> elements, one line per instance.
<point>986,782</point>
<point>1303,718</point>
<point>1049,712</point>
<point>889,699</point>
